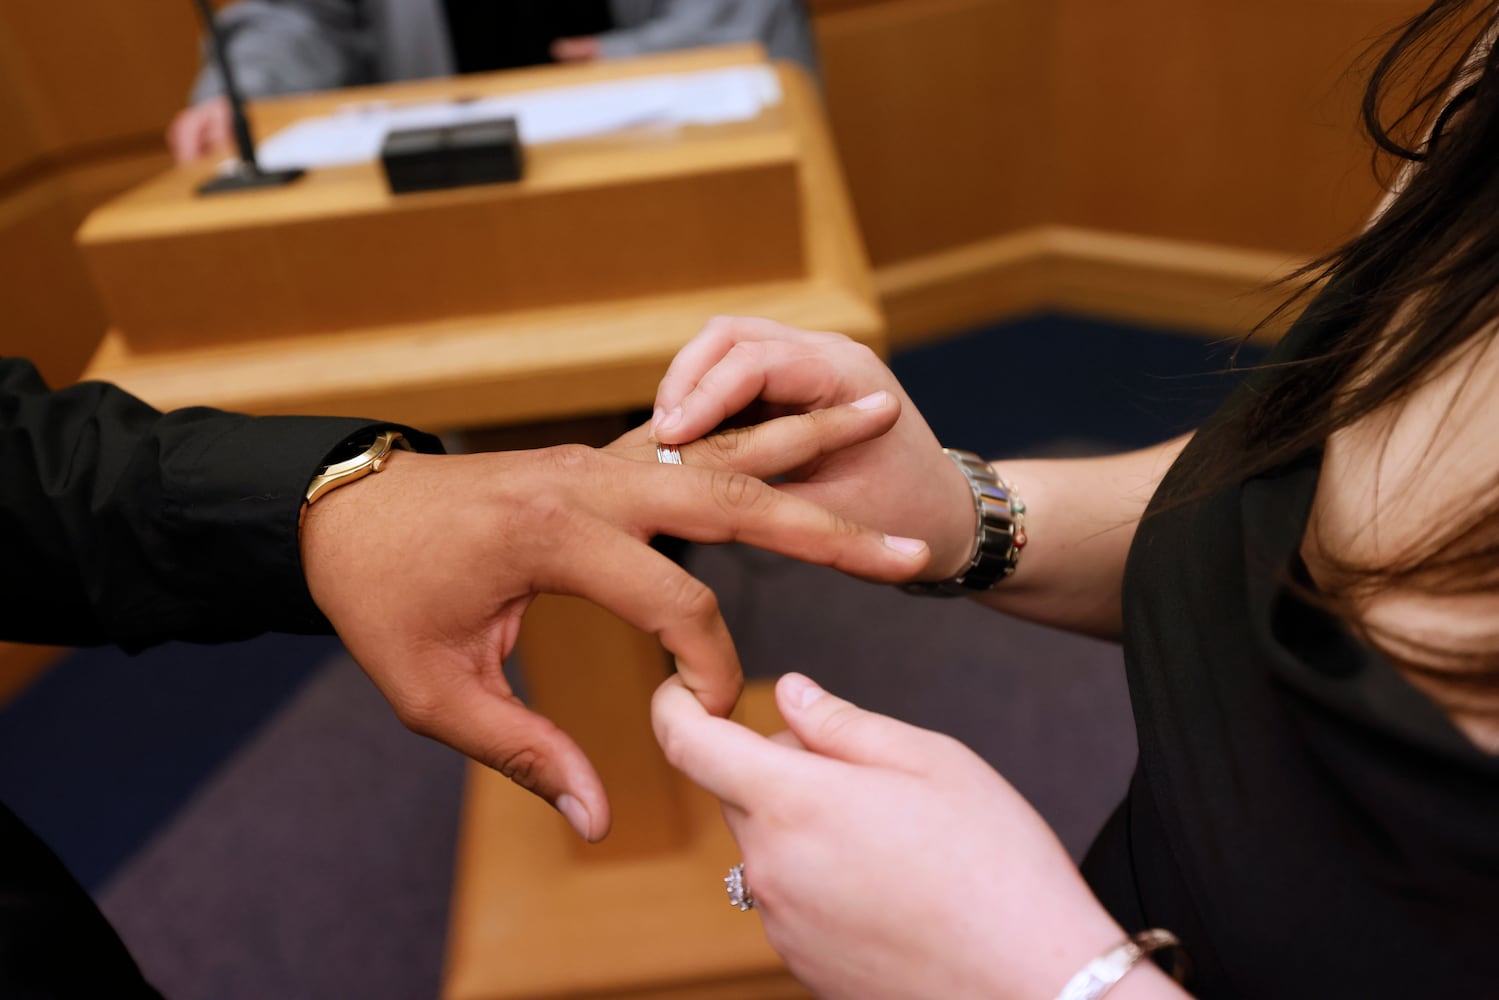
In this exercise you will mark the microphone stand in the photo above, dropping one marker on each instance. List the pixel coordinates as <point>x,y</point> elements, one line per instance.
<point>246,174</point>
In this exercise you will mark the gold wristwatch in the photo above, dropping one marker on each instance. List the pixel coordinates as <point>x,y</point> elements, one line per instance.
<point>369,458</point>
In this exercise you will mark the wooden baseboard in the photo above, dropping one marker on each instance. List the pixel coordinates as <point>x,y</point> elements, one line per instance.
<point>20,665</point>
<point>1172,284</point>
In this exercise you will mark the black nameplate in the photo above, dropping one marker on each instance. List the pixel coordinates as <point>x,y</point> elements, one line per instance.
<point>428,159</point>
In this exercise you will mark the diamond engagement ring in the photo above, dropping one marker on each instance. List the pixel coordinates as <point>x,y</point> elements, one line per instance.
<point>668,454</point>
<point>739,891</point>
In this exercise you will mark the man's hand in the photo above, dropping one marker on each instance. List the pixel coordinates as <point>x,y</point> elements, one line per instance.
<point>200,129</point>
<point>426,568</point>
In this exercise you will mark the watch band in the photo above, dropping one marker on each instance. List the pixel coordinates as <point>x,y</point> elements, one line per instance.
<point>371,460</point>
<point>999,532</point>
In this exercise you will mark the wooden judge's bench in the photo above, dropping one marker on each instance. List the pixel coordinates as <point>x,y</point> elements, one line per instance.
<point>563,295</point>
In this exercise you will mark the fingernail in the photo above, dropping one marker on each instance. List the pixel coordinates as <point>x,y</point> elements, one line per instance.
<point>803,690</point>
<point>906,546</point>
<point>670,420</point>
<point>873,401</point>
<point>656,418</point>
<point>576,815</point>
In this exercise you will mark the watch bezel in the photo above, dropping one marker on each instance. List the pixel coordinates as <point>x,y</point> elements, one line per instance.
<point>371,459</point>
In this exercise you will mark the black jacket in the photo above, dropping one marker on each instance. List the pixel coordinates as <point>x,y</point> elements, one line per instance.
<point>121,524</point>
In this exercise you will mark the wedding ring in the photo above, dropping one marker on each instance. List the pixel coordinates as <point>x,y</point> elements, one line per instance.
<point>739,890</point>
<point>668,454</point>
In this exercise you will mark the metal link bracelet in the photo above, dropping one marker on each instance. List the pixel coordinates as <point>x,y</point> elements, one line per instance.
<point>999,532</point>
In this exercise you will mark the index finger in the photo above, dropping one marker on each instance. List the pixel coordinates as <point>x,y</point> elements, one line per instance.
<point>736,764</point>
<point>716,506</point>
<point>715,340</point>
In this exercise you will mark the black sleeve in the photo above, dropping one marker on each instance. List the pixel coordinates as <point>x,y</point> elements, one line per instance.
<point>120,524</point>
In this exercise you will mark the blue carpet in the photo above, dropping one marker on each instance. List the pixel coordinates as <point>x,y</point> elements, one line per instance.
<point>1019,388</point>
<point>105,747</point>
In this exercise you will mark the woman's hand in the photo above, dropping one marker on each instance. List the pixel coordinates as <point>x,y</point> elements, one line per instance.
<point>886,860</point>
<point>426,569</point>
<point>899,482</point>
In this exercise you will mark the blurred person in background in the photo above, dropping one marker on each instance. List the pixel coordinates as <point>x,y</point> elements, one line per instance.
<point>295,46</point>
<point>782,26</point>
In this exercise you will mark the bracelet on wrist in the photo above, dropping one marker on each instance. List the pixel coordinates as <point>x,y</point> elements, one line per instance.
<point>1099,976</point>
<point>999,532</point>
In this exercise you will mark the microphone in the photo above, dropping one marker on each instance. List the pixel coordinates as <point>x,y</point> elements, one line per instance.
<point>246,174</point>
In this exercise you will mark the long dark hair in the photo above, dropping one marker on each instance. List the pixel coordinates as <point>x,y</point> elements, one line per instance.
<point>1419,286</point>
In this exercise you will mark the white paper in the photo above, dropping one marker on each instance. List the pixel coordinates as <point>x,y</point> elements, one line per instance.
<point>355,134</point>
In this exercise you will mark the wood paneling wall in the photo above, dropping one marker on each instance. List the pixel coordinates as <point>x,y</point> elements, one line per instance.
<point>86,89</point>
<point>1231,122</point>
<point>941,110</point>
<point>982,137</point>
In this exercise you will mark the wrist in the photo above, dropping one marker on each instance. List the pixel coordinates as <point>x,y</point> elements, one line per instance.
<point>1146,981</point>
<point>996,532</point>
<point>1051,949</point>
<point>1126,967</point>
<point>338,521</point>
<point>955,537</point>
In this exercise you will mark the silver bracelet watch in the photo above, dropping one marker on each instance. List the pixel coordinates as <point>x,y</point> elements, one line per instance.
<point>999,532</point>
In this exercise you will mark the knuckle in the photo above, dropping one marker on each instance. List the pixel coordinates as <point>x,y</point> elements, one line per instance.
<point>746,351</point>
<point>789,813</point>
<point>720,330</point>
<point>571,459</point>
<point>546,517</point>
<point>817,420</point>
<point>673,747</point>
<point>862,354</point>
<point>419,711</point>
<point>727,447</point>
<point>721,323</point>
<point>736,493</point>
<point>692,598</point>
<point>522,765</point>
<point>764,879</point>
<point>840,722</point>
<point>841,530</point>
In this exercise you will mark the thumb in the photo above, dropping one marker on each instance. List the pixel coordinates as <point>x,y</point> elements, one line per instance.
<point>832,727</point>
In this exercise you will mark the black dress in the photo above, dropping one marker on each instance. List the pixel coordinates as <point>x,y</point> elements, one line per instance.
<point>1309,823</point>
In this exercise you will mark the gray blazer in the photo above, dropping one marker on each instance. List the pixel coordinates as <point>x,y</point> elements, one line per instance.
<point>289,46</point>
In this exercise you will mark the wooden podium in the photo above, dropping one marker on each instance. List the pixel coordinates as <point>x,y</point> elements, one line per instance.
<point>564,295</point>
<point>290,300</point>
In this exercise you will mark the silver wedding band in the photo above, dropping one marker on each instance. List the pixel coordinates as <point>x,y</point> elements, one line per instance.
<point>668,454</point>
<point>739,890</point>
